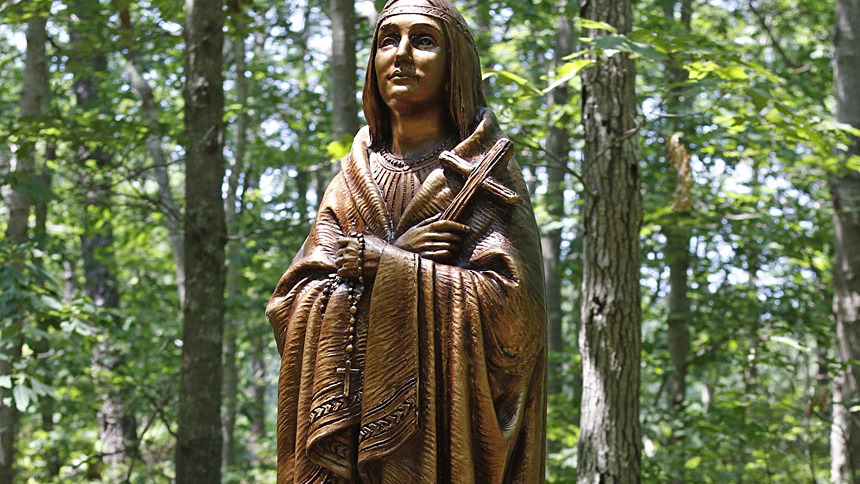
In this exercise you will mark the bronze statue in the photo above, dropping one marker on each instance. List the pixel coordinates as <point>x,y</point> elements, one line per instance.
<point>411,323</point>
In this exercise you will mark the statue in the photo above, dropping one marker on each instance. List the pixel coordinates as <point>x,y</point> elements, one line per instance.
<point>411,324</point>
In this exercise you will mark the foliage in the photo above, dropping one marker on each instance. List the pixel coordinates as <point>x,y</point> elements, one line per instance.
<point>756,119</point>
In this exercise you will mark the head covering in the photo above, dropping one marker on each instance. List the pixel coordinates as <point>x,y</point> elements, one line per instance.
<point>465,97</point>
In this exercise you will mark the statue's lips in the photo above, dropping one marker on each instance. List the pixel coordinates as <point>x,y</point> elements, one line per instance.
<point>402,76</point>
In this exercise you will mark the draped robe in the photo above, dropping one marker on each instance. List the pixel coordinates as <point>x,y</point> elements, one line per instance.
<point>452,356</point>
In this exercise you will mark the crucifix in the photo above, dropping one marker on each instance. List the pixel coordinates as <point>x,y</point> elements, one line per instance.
<point>479,177</point>
<point>347,374</point>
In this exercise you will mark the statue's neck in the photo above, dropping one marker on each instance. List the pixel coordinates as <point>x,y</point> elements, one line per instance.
<point>414,133</point>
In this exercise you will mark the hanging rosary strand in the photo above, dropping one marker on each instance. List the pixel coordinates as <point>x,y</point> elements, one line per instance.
<point>355,289</point>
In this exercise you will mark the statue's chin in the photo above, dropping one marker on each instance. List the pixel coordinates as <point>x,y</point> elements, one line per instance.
<point>409,100</point>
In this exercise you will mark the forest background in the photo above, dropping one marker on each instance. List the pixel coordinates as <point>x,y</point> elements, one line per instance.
<point>744,149</point>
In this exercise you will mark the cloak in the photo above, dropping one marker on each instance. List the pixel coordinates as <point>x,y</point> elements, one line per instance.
<point>451,386</point>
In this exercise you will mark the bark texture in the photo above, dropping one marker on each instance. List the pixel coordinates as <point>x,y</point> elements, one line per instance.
<point>199,441</point>
<point>32,94</point>
<point>610,335</point>
<point>845,191</point>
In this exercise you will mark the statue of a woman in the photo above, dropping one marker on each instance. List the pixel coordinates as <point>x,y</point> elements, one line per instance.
<point>414,346</point>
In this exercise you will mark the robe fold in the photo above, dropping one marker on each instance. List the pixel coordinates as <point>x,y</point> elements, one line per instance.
<point>449,374</point>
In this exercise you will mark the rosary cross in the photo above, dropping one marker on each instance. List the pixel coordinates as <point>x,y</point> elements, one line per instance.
<point>347,376</point>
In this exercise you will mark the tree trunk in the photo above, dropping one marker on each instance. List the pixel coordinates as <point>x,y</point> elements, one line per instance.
<point>32,102</point>
<point>845,191</point>
<point>677,250</point>
<point>557,146</point>
<point>199,441</point>
<point>677,232</point>
<point>610,336</point>
<point>234,251</point>
<point>344,79</point>
<point>117,423</point>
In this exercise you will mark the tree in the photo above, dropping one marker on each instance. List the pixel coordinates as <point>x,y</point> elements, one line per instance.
<point>117,423</point>
<point>610,339</point>
<point>198,446</point>
<point>845,193</point>
<point>558,147</point>
<point>343,71</point>
<point>11,338</point>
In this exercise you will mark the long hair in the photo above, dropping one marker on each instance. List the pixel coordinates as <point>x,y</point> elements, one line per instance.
<point>465,96</point>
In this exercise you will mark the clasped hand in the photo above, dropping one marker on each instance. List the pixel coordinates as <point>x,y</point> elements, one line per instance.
<point>433,239</point>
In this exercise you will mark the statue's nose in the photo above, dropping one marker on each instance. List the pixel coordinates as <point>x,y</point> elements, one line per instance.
<point>404,51</point>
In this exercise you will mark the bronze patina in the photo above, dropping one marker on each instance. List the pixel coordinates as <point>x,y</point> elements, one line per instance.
<point>411,324</point>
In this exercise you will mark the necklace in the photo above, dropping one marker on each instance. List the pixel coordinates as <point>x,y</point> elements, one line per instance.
<point>399,163</point>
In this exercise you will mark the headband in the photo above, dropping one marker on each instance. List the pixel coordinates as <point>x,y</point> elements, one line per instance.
<point>427,10</point>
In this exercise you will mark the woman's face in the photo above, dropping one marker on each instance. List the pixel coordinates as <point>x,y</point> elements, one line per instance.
<point>411,62</point>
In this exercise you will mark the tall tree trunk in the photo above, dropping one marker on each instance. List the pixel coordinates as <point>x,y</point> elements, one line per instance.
<point>117,423</point>
<point>845,191</point>
<point>32,102</point>
<point>610,336</point>
<point>676,230</point>
<point>343,71</point>
<point>677,251</point>
<point>199,442</point>
<point>166,202</point>
<point>234,251</point>
<point>557,146</point>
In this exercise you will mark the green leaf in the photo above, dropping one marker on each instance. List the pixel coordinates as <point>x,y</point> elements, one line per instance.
<point>40,388</point>
<point>512,77</point>
<point>566,72</point>
<point>23,396</point>
<point>5,381</point>
<point>338,149</point>
<point>789,342</point>
<point>585,23</point>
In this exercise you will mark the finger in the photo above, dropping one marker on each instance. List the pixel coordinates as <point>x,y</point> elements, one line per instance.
<point>449,226</point>
<point>436,246</point>
<point>444,237</point>
<point>429,220</point>
<point>347,252</point>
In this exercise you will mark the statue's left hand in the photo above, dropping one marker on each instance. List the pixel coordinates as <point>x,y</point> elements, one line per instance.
<point>347,256</point>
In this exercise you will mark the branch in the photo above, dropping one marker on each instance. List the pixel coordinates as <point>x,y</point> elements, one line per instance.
<point>558,162</point>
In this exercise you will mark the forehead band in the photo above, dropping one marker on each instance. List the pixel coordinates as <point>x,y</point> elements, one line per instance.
<point>426,10</point>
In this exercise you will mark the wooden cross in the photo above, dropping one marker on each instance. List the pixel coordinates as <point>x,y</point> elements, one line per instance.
<point>347,375</point>
<point>479,177</point>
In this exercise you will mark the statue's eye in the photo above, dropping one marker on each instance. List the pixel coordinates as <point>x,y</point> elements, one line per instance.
<point>424,42</point>
<point>389,41</point>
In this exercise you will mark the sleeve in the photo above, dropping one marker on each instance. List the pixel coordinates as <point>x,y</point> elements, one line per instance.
<point>311,266</point>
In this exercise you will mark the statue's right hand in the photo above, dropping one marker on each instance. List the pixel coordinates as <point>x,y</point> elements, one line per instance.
<point>434,239</point>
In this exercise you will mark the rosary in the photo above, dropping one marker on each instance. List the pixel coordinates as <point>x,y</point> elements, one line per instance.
<point>355,287</point>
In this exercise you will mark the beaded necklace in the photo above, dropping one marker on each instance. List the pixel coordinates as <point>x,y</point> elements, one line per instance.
<point>398,163</point>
